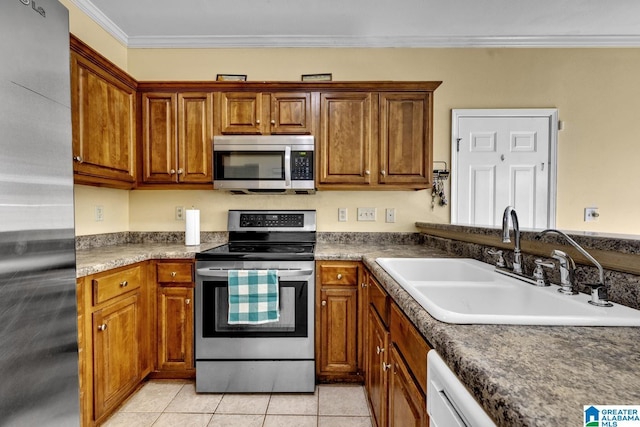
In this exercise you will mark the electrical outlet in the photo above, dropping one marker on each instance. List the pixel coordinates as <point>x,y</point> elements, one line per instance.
<point>591,214</point>
<point>390,215</point>
<point>342,214</point>
<point>179,213</point>
<point>99,213</point>
<point>366,214</point>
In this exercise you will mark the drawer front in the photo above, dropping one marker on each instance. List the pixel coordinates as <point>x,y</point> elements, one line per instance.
<point>337,274</point>
<point>412,346</point>
<point>115,284</point>
<point>379,299</point>
<point>174,272</point>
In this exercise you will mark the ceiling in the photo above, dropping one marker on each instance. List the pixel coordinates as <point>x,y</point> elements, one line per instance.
<point>367,23</point>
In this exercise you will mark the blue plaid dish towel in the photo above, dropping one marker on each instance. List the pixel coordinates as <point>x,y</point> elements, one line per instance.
<point>253,297</point>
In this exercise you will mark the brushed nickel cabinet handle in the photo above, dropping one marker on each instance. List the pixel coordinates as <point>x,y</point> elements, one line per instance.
<point>339,276</point>
<point>385,366</point>
<point>102,327</point>
<point>172,171</point>
<point>78,159</point>
<point>173,274</point>
<point>187,301</point>
<point>273,122</point>
<point>324,303</point>
<point>124,284</point>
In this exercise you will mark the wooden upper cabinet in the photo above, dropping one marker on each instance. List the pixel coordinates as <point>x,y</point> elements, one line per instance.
<point>255,113</point>
<point>344,147</point>
<point>177,132</point>
<point>290,113</point>
<point>103,121</point>
<point>405,155</point>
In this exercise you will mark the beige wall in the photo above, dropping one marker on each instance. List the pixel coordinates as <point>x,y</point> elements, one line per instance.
<point>595,90</point>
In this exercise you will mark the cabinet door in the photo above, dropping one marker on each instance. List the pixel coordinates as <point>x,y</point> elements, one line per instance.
<point>116,346</point>
<point>159,137</point>
<point>103,123</point>
<point>175,328</point>
<point>407,404</point>
<point>241,113</point>
<point>291,113</point>
<point>345,142</point>
<point>377,367</point>
<point>195,133</point>
<point>338,346</point>
<point>405,143</point>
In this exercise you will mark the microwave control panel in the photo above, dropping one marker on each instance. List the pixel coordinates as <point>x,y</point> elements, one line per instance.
<point>302,165</point>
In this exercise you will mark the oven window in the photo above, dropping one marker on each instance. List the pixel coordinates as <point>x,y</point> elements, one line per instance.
<point>249,165</point>
<point>293,313</point>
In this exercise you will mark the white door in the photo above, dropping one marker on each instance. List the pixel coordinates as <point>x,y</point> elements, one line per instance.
<point>502,158</point>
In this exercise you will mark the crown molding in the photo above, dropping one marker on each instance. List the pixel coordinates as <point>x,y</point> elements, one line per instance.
<point>301,41</point>
<point>382,42</point>
<point>89,9</point>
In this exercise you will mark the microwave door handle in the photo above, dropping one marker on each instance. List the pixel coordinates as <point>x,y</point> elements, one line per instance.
<point>287,166</point>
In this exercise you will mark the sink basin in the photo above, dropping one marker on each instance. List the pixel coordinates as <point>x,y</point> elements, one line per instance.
<point>467,291</point>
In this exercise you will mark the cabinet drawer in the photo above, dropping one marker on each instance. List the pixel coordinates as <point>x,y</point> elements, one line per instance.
<point>336,274</point>
<point>117,283</point>
<point>378,298</point>
<point>174,272</point>
<point>412,346</point>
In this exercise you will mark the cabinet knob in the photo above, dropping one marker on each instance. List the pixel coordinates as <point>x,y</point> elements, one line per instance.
<point>324,303</point>
<point>383,172</point>
<point>258,121</point>
<point>173,274</point>
<point>385,366</point>
<point>273,122</point>
<point>102,327</point>
<point>124,284</point>
<point>172,171</point>
<point>364,285</point>
<point>379,349</point>
<point>187,301</point>
<point>339,276</point>
<point>180,171</point>
<point>77,159</point>
<point>367,172</point>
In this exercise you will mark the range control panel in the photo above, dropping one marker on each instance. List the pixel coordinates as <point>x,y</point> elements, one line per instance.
<point>272,220</point>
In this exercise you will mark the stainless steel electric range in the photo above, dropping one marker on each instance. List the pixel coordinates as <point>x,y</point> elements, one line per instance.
<point>268,357</point>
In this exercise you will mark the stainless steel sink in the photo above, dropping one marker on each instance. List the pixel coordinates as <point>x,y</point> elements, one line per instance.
<point>467,291</point>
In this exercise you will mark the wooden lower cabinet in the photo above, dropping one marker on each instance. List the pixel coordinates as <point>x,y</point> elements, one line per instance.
<point>407,403</point>
<point>396,364</point>
<point>338,321</point>
<point>174,280</point>
<point>175,330</point>
<point>114,338</point>
<point>377,367</point>
<point>115,352</point>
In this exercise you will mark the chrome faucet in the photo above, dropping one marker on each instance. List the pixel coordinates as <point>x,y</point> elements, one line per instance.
<point>598,290</point>
<point>517,255</point>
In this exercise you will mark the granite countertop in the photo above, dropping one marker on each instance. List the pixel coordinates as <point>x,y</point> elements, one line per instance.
<point>96,260</point>
<point>521,375</point>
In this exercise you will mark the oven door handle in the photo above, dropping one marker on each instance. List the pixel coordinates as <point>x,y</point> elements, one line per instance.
<point>224,272</point>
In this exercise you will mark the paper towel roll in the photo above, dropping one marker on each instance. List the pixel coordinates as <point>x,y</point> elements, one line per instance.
<point>192,227</point>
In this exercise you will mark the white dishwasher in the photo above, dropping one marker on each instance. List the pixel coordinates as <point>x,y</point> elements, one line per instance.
<point>449,404</point>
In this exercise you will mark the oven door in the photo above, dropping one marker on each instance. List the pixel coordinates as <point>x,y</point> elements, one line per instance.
<point>291,337</point>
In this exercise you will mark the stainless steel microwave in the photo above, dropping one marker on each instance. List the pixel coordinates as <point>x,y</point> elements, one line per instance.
<point>264,164</point>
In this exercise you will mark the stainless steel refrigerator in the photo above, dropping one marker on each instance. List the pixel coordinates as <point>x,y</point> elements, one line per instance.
<point>38,329</point>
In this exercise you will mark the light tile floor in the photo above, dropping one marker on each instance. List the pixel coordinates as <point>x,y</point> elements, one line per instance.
<point>168,403</point>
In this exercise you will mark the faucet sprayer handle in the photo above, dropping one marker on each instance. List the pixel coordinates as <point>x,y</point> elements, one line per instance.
<point>500,261</point>
<point>599,295</point>
<point>567,272</point>
<point>539,274</point>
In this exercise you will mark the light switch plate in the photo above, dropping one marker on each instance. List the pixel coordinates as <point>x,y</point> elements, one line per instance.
<point>366,214</point>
